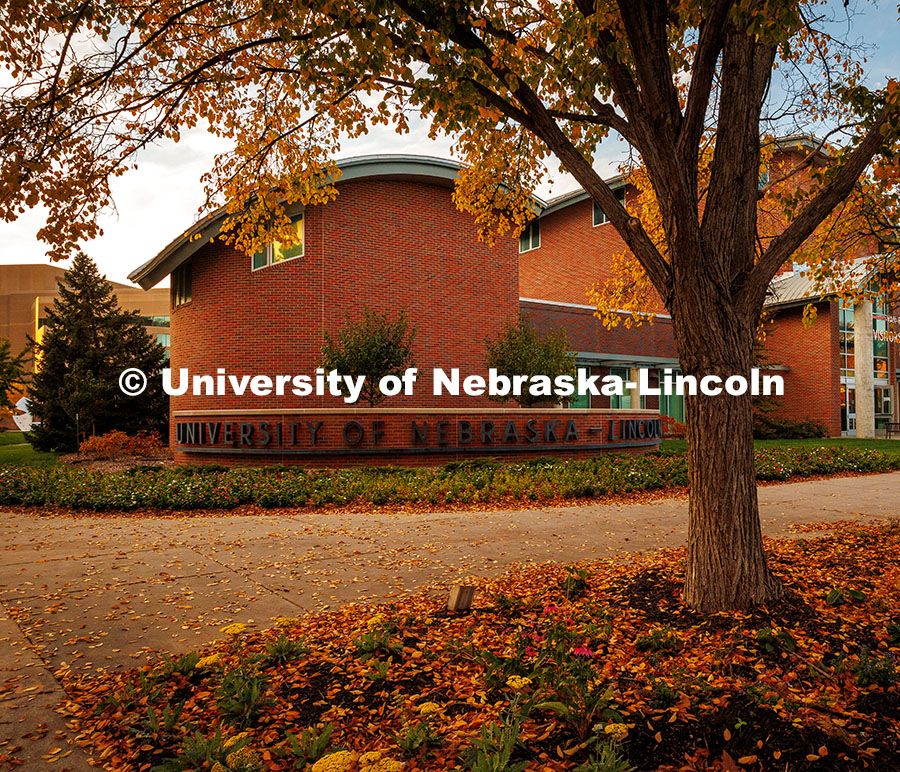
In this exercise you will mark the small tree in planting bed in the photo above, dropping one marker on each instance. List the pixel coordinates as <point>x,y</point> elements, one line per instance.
<point>521,350</point>
<point>374,347</point>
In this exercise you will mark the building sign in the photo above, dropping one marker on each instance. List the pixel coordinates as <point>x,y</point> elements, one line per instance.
<point>400,434</point>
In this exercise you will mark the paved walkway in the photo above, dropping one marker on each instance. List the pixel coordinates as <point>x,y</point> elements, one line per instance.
<point>98,592</point>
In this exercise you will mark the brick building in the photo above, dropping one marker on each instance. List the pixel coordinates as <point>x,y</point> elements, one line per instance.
<point>394,240</point>
<point>570,246</point>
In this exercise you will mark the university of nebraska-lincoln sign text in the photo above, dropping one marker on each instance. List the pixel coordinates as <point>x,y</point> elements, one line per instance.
<point>403,433</point>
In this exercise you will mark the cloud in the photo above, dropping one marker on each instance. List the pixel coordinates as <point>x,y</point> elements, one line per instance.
<point>159,199</point>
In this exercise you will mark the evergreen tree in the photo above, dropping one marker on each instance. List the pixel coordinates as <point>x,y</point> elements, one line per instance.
<point>12,375</point>
<point>88,340</point>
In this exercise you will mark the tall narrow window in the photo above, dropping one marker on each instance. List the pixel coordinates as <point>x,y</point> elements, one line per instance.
<point>530,238</point>
<point>600,216</point>
<point>181,284</point>
<point>880,347</point>
<point>621,401</point>
<point>581,401</point>
<point>278,253</point>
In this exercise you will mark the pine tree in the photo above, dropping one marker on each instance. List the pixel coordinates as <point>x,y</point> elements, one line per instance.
<point>88,340</point>
<point>12,375</point>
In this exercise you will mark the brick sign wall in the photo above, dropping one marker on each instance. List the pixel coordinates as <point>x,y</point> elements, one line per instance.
<point>407,436</point>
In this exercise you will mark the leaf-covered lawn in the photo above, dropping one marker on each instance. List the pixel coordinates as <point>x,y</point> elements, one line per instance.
<point>591,667</point>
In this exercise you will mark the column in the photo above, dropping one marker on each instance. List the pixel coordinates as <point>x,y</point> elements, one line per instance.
<point>634,375</point>
<point>864,369</point>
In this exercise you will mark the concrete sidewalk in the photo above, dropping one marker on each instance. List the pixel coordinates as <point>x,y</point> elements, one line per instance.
<point>98,592</point>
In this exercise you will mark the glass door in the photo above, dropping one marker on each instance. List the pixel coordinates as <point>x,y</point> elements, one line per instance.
<point>848,408</point>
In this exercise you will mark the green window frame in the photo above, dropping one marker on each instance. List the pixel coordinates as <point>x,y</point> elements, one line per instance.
<point>623,402</point>
<point>580,401</point>
<point>530,238</point>
<point>600,216</point>
<point>275,253</point>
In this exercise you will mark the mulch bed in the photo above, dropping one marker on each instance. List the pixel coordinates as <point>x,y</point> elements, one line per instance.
<point>118,462</point>
<point>808,683</point>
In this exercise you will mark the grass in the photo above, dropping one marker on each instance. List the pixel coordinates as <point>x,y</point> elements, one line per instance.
<point>15,451</point>
<point>11,438</point>
<point>889,446</point>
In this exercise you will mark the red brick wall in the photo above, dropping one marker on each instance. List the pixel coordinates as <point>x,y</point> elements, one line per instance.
<point>812,385</point>
<point>386,244</point>
<point>587,334</point>
<point>574,255</point>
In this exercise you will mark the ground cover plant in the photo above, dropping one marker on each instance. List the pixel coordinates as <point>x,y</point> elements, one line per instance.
<point>466,483</point>
<point>598,666</point>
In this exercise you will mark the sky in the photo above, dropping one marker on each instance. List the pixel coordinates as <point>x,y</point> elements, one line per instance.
<point>156,202</point>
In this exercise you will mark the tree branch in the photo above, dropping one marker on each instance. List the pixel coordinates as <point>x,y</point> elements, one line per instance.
<point>709,45</point>
<point>824,201</point>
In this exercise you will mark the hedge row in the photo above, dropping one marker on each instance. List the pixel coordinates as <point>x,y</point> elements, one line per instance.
<point>466,482</point>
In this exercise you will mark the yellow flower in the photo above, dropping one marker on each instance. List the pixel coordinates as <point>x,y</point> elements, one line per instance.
<point>339,761</point>
<point>375,621</point>
<point>212,659</point>
<point>616,731</point>
<point>236,628</point>
<point>242,758</point>
<point>217,767</point>
<point>427,708</point>
<point>518,682</point>
<point>232,740</point>
<point>373,761</point>
<point>286,621</point>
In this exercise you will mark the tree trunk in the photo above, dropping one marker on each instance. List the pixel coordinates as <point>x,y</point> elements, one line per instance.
<point>726,565</point>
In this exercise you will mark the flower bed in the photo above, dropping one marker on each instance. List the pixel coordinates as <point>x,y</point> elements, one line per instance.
<point>592,667</point>
<point>468,483</point>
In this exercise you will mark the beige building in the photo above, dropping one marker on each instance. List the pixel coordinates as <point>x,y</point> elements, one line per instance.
<point>27,290</point>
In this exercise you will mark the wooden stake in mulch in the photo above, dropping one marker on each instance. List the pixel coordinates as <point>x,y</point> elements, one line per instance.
<point>461,597</point>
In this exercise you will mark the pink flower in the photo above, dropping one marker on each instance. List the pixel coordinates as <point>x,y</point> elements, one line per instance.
<point>550,609</point>
<point>581,651</point>
<point>530,651</point>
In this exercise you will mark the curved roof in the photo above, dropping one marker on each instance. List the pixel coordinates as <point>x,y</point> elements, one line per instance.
<point>436,171</point>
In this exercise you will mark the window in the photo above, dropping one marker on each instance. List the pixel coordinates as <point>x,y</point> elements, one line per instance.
<point>155,321</point>
<point>880,347</point>
<point>600,216</point>
<point>883,404</point>
<point>623,402</point>
<point>580,401</point>
<point>164,339</point>
<point>530,238</point>
<point>181,285</point>
<point>848,360</point>
<point>278,253</point>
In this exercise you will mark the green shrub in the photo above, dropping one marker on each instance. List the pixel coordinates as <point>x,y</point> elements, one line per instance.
<point>478,481</point>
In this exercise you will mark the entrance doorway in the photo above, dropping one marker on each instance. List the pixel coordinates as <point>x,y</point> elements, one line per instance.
<point>848,408</point>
